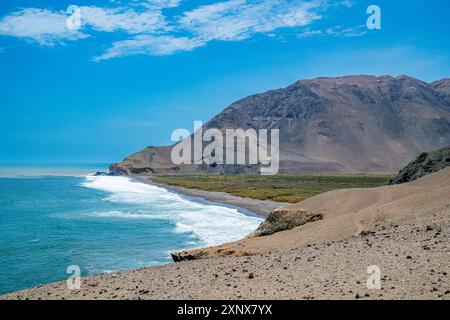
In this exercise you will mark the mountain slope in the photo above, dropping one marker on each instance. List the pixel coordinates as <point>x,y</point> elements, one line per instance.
<point>443,87</point>
<point>344,124</point>
<point>426,163</point>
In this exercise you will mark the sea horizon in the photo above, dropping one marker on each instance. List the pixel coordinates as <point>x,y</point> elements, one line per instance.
<point>36,169</point>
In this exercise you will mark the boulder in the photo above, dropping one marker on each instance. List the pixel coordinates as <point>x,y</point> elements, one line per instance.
<point>285,218</point>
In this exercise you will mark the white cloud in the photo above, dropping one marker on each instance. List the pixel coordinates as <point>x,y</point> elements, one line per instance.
<point>43,26</point>
<point>159,3</point>
<point>310,33</point>
<point>123,19</point>
<point>152,4</point>
<point>340,31</point>
<point>145,28</point>
<point>49,27</point>
<point>229,20</point>
<point>337,31</point>
<point>348,3</point>
<point>239,19</point>
<point>150,45</point>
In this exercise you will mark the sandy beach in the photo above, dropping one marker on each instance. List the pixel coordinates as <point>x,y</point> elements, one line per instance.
<point>259,207</point>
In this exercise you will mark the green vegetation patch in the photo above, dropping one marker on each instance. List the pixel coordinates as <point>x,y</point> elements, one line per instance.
<point>284,187</point>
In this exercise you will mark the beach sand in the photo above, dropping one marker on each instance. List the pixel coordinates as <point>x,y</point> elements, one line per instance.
<point>259,207</point>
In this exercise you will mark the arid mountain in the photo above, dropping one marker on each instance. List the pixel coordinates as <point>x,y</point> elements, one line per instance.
<point>443,87</point>
<point>344,124</point>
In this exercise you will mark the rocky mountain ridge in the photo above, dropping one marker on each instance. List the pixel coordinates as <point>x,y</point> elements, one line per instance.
<point>344,124</point>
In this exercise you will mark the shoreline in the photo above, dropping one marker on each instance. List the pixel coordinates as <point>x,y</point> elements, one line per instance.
<point>261,208</point>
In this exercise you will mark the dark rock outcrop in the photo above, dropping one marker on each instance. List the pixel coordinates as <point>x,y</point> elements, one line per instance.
<point>280,219</point>
<point>426,163</point>
<point>179,256</point>
<point>283,219</point>
<point>117,170</point>
<point>100,173</point>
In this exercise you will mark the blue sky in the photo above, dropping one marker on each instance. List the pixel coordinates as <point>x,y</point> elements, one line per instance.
<point>136,70</point>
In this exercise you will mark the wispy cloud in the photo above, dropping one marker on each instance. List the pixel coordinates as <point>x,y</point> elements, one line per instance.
<point>231,20</point>
<point>239,19</point>
<point>338,31</point>
<point>158,3</point>
<point>145,28</point>
<point>49,27</point>
<point>150,45</point>
<point>43,26</point>
<point>348,3</point>
<point>123,19</point>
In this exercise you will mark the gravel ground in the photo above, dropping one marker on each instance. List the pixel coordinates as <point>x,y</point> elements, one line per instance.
<point>414,261</point>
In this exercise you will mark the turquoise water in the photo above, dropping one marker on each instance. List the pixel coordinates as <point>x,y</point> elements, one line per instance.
<point>100,224</point>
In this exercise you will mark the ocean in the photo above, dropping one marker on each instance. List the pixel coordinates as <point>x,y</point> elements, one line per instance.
<point>51,219</point>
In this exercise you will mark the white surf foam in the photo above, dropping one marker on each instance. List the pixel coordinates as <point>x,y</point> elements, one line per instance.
<point>125,215</point>
<point>213,224</point>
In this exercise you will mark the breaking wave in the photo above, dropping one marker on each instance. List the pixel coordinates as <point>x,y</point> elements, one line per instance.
<point>211,223</point>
